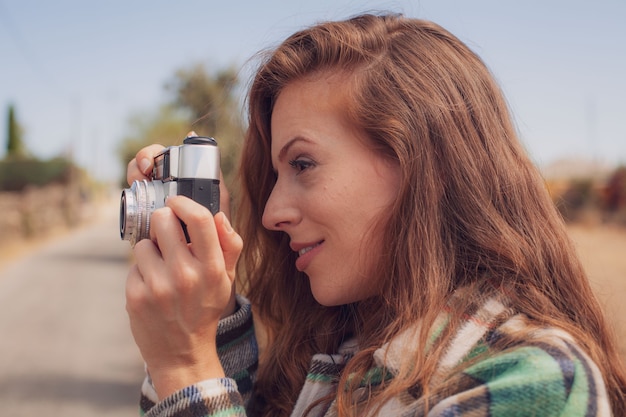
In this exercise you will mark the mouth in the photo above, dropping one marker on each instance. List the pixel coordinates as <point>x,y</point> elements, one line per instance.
<point>306,253</point>
<point>309,248</point>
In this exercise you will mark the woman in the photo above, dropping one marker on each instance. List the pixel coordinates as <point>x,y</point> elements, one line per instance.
<point>401,251</point>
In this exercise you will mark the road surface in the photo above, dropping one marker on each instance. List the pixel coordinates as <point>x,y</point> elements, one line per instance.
<point>65,344</point>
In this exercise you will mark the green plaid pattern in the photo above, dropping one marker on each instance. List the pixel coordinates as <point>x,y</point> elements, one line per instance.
<point>546,375</point>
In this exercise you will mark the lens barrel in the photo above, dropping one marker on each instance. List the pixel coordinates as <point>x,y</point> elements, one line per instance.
<point>136,206</point>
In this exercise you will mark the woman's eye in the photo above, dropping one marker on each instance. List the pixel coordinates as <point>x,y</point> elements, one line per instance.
<point>300,164</point>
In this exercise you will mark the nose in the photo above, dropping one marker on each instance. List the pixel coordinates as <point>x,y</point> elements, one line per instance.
<point>281,210</point>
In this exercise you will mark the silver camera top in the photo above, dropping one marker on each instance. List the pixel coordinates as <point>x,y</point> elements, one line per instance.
<point>191,169</point>
<point>197,157</point>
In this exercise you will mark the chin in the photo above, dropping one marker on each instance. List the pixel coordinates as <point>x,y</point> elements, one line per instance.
<point>327,293</point>
<point>328,302</point>
<point>329,297</point>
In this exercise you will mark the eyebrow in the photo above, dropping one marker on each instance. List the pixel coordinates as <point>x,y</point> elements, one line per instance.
<point>285,148</point>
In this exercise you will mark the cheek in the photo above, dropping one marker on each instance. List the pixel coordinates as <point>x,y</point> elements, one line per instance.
<point>368,220</point>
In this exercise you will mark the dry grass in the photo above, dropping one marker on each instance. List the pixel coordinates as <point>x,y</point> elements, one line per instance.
<point>603,252</point>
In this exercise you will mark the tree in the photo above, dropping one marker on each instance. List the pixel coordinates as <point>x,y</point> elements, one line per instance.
<point>166,127</point>
<point>15,144</point>
<point>211,105</point>
<point>199,101</point>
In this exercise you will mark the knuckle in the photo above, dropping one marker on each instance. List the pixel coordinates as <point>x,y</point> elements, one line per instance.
<point>235,247</point>
<point>185,285</point>
<point>214,267</point>
<point>133,304</point>
<point>143,247</point>
<point>148,152</point>
<point>161,214</point>
<point>161,292</point>
<point>184,277</point>
<point>202,218</point>
<point>238,243</point>
<point>135,297</point>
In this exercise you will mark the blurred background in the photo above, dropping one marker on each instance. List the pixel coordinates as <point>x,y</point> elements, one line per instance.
<point>84,85</point>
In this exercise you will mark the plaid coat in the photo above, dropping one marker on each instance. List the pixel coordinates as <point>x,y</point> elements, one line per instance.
<point>547,375</point>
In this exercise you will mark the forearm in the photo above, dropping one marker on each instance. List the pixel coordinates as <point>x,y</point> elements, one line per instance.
<point>238,355</point>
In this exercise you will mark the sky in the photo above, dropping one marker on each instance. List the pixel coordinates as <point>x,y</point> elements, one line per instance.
<point>77,70</point>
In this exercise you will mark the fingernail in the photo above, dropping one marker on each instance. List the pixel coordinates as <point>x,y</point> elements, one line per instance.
<point>144,165</point>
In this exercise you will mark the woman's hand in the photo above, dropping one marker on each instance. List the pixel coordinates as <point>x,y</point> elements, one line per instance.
<point>140,167</point>
<point>177,292</point>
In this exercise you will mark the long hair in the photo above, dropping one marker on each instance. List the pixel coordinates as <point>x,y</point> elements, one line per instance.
<point>471,205</point>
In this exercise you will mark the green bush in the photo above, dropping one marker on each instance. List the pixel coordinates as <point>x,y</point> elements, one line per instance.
<point>18,173</point>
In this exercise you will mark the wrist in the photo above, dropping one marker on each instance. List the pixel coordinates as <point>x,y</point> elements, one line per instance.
<point>232,306</point>
<point>167,380</point>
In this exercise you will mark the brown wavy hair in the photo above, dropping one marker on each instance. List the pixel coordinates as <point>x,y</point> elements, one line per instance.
<point>471,204</point>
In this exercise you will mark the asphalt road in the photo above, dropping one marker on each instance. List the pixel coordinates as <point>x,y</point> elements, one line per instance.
<point>65,344</point>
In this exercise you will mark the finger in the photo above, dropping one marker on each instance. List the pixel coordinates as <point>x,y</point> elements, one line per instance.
<point>200,227</point>
<point>135,286</point>
<point>149,261</point>
<point>167,232</point>
<point>230,242</point>
<point>145,157</point>
<point>133,173</point>
<point>140,167</point>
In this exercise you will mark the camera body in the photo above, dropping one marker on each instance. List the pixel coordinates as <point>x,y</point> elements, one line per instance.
<point>191,169</point>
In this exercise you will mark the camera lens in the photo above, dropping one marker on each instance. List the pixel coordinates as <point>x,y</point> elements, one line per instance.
<point>136,205</point>
<point>123,215</point>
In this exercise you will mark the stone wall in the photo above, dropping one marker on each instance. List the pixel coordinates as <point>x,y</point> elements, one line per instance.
<point>38,212</point>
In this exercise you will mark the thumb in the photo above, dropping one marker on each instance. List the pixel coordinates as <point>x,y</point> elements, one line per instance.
<point>230,241</point>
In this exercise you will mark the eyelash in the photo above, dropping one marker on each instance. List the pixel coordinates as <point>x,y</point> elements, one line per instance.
<point>301,165</point>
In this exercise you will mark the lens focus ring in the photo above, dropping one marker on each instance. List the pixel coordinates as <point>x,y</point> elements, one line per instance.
<point>135,209</point>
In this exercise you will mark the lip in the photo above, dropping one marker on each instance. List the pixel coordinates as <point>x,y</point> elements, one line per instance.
<point>306,251</point>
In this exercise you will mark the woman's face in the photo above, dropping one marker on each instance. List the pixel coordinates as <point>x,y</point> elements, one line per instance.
<point>331,188</point>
